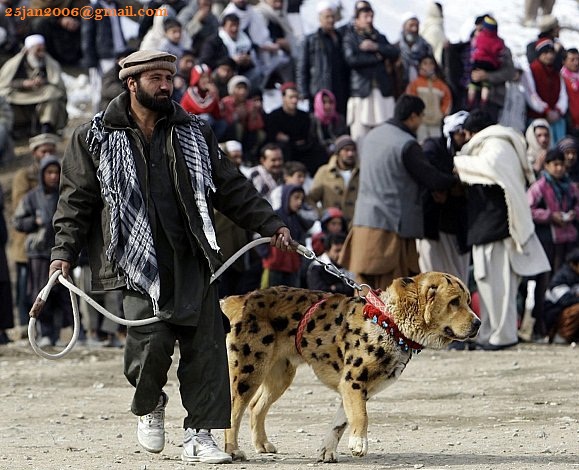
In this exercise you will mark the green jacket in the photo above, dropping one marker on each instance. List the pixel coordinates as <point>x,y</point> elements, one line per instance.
<point>82,217</point>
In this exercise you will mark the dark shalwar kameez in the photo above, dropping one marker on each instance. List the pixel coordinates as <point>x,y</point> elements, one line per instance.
<point>188,304</point>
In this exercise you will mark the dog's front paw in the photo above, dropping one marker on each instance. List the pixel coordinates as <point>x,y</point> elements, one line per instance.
<point>265,448</point>
<point>358,446</point>
<point>238,455</point>
<point>328,455</point>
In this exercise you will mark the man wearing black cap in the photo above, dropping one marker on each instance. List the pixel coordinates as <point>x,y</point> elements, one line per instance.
<point>139,185</point>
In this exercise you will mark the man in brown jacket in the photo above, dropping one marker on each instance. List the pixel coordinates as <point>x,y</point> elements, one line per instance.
<point>336,183</point>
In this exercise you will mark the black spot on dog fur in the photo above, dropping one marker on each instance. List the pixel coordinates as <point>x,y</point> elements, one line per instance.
<point>334,306</point>
<point>279,323</point>
<point>336,366</point>
<point>407,280</point>
<point>254,327</point>
<point>261,304</point>
<point>268,339</point>
<point>236,363</point>
<point>346,346</point>
<point>356,386</point>
<point>365,337</point>
<point>311,325</point>
<point>302,299</point>
<point>339,319</point>
<point>248,369</point>
<point>363,377</point>
<point>304,343</point>
<point>327,326</point>
<point>242,388</point>
<point>357,344</point>
<point>319,341</point>
<point>358,362</point>
<point>314,356</point>
<point>325,356</point>
<point>358,331</point>
<point>290,298</point>
<point>348,376</point>
<point>380,352</point>
<point>349,359</point>
<point>246,349</point>
<point>370,348</point>
<point>233,347</point>
<point>296,316</point>
<point>272,304</point>
<point>321,316</point>
<point>259,355</point>
<point>237,328</point>
<point>340,354</point>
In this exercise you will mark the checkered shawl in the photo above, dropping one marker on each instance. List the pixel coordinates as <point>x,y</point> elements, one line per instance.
<point>131,247</point>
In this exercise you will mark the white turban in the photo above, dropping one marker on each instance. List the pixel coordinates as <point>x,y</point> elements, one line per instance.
<point>325,5</point>
<point>33,40</point>
<point>454,122</point>
<point>409,15</point>
<point>233,146</point>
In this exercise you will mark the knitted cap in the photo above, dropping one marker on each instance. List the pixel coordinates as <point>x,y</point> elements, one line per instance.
<point>196,73</point>
<point>547,23</point>
<point>142,61</point>
<point>342,142</point>
<point>237,80</point>
<point>42,139</point>
<point>544,45</point>
<point>288,86</point>
<point>489,23</point>
<point>568,143</point>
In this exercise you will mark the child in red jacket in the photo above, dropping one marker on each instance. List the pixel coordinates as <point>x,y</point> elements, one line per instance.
<point>487,48</point>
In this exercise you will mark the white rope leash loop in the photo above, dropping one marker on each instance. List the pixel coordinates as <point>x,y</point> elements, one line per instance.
<point>41,300</point>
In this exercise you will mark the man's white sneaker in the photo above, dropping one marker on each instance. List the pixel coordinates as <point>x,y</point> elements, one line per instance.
<point>201,447</point>
<point>151,427</point>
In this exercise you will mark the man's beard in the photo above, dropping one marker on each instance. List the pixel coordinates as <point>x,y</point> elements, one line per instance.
<point>159,105</point>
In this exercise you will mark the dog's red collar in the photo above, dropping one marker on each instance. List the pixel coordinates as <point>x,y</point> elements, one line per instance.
<point>304,321</point>
<point>376,312</point>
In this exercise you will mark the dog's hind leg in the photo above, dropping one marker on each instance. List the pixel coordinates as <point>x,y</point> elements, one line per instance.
<point>278,379</point>
<point>245,381</point>
<point>328,452</point>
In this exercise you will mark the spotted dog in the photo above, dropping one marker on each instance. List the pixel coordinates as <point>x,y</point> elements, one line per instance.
<point>356,347</point>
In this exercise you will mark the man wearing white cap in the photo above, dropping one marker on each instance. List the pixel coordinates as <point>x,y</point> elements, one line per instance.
<point>32,84</point>
<point>413,47</point>
<point>139,186</point>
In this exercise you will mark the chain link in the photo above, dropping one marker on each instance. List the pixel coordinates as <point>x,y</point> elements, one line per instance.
<point>330,268</point>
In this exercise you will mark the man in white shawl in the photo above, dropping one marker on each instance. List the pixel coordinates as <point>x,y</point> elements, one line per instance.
<point>32,83</point>
<point>500,228</point>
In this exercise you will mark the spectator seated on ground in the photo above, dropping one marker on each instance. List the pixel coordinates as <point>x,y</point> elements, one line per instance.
<point>32,83</point>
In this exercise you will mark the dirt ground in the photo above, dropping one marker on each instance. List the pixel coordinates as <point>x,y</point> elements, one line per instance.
<point>458,410</point>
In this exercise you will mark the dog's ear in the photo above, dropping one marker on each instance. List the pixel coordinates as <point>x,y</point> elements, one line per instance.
<point>430,297</point>
<point>431,292</point>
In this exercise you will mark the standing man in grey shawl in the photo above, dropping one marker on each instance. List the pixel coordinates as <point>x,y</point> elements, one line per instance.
<point>139,186</point>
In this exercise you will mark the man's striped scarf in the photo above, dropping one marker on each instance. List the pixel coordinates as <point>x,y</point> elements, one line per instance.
<point>131,247</point>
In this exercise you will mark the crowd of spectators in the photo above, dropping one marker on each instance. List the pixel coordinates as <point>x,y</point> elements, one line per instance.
<point>359,158</point>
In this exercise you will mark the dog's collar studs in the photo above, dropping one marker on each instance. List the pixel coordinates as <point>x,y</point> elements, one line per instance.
<point>377,313</point>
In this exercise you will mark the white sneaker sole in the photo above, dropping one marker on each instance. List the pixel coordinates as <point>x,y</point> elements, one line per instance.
<point>195,459</point>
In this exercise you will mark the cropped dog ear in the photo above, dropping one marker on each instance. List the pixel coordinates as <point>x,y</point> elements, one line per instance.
<point>431,293</point>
